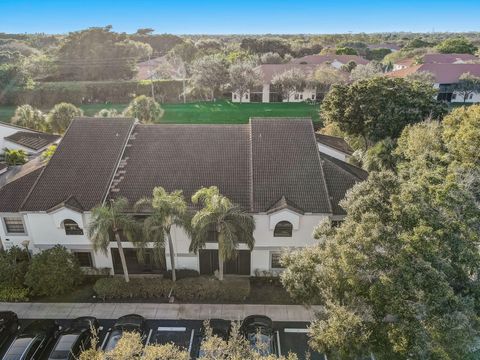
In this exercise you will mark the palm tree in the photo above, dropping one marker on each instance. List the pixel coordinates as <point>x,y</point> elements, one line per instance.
<point>112,218</point>
<point>231,223</point>
<point>168,209</point>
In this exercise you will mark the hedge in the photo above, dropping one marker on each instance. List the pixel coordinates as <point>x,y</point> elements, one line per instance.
<point>193,289</point>
<point>47,94</point>
<point>181,274</point>
<point>13,294</point>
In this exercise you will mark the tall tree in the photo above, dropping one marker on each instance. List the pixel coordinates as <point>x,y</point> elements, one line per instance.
<point>167,210</point>
<point>380,107</point>
<point>467,84</point>
<point>243,78</point>
<point>290,82</point>
<point>60,117</point>
<point>231,224</point>
<point>457,45</point>
<point>29,117</point>
<point>326,76</point>
<point>368,71</point>
<point>109,219</point>
<point>209,74</point>
<point>145,109</point>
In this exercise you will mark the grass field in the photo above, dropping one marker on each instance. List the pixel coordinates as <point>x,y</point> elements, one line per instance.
<point>220,112</point>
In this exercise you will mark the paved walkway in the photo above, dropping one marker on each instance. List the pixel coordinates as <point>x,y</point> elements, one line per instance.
<point>159,311</point>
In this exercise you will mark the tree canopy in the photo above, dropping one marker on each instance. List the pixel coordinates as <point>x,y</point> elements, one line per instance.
<point>457,45</point>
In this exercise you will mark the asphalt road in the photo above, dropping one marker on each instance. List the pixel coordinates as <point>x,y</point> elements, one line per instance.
<point>292,336</point>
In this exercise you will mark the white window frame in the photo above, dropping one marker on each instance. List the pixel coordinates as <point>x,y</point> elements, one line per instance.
<point>5,228</point>
<point>270,264</point>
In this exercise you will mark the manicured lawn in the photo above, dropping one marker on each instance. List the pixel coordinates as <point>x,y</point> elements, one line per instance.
<point>220,112</point>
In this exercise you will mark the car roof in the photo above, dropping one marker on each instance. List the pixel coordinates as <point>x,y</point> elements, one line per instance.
<point>19,347</point>
<point>131,320</point>
<point>36,327</point>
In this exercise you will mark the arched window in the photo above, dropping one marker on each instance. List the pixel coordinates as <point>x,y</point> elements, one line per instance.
<point>283,229</point>
<point>71,227</point>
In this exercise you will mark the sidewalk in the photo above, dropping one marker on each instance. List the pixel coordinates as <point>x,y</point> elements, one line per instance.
<point>159,311</point>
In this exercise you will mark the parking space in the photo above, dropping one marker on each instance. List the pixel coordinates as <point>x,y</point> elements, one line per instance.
<point>290,336</point>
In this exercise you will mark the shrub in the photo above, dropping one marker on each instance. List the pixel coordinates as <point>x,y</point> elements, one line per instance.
<point>60,117</point>
<point>181,274</point>
<point>13,294</point>
<point>53,272</point>
<point>13,266</point>
<point>15,157</point>
<point>141,288</point>
<point>210,289</point>
<point>145,109</point>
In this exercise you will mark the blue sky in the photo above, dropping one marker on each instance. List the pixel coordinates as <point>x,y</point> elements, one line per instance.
<point>241,16</point>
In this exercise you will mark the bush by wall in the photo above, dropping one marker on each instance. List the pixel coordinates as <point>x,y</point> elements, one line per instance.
<point>47,94</point>
<point>202,289</point>
<point>141,288</point>
<point>13,266</point>
<point>181,274</point>
<point>13,294</point>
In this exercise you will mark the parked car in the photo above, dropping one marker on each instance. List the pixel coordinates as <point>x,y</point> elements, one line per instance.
<point>76,338</point>
<point>258,330</point>
<point>127,323</point>
<point>8,326</point>
<point>32,341</point>
<point>220,328</point>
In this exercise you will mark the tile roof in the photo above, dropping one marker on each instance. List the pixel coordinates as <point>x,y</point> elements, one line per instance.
<point>82,165</point>
<point>448,58</point>
<point>340,177</point>
<point>268,71</point>
<point>268,164</point>
<point>321,59</point>
<point>285,162</point>
<point>334,142</point>
<point>32,140</point>
<point>443,73</point>
<point>13,193</point>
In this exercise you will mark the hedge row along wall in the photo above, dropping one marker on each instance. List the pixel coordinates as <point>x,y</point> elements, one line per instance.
<point>90,92</point>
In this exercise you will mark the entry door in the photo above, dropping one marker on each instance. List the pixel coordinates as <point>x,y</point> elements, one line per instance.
<point>239,265</point>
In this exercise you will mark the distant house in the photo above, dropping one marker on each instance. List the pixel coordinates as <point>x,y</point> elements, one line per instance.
<point>337,61</point>
<point>19,138</point>
<point>392,47</point>
<point>334,146</point>
<point>436,59</point>
<point>147,70</point>
<point>446,76</point>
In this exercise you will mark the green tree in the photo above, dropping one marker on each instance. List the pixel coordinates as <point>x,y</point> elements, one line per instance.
<point>467,84</point>
<point>60,117</point>
<point>422,76</point>
<point>377,54</point>
<point>107,113</point>
<point>167,210</point>
<point>368,71</point>
<point>14,157</point>
<point>290,82</point>
<point>271,58</point>
<point>29,117</point>
<point>13,267</point>
<point>110,219</point>
<point>54,271</point>
<point>48,153</point>
<point>145,109</point>
<point>380,107</point>
<point>457,45</point>
<point>231,224</point>
<point>243,78</point>
<point>266,44</point>
<point>209,74</point>
<point>380,156</point>
<point>346,51</point>
<point>326,76</point>
<point>14,75</point>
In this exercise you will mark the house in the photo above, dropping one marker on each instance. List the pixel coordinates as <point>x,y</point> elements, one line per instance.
<point>271,167</point>
<point>391,46</point>
<point>446,76</point>
<point>337,61</point>
<point>19,138</point>
<point>334,146</point>
<point>267,92</point>
<point>148,70</point>
<point>436,59</point>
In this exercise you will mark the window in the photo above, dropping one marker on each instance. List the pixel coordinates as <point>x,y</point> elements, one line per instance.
<point>283,229</point>
<point>14,225</point>
<point>84,258</point>
<point>275,260</point>
<point>313,96</point>
<point>72,228</point>
<point>471,96</point>
<point>454,96</point>
<point>301,96</point>
<point>235,96</point>
<point>296,96</point>
<point>246,96</point>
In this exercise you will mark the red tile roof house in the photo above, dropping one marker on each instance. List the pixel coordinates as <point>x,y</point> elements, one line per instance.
<point>271,167</point>
<point>437,59</point>
<point>446,76</point>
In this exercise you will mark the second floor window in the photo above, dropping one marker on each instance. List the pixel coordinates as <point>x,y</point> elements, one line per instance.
<point>283,229</point>
<point>72,228</point>
<point>14,225</point>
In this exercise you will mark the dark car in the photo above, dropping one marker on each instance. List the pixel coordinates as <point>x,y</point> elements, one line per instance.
<point>32,341</point>
<point>76,338</point>
<point>8,326</point>
<point>127,323</point>
<point>220,328</point>
<point>258,330</point>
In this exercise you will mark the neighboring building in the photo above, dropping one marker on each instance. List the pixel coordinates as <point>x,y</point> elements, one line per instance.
<point>19,138</point>
<point>270,167</point>
<point>436,59</point>
<point>148,70</point>
<point>446,76</point>
<point>337,61</point>
<point>334,146</point>
<point>392,47</point>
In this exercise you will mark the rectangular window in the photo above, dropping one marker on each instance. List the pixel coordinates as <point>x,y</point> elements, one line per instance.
<point>275,260</point>
<point>454,96</point>
<point>84,258</point>
<point>301,96</point>
<point>14,225</point>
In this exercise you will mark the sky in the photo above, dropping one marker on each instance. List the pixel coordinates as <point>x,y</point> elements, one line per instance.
<point>241,16</point>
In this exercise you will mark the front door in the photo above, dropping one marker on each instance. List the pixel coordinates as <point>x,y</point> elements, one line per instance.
<point>239,265</point>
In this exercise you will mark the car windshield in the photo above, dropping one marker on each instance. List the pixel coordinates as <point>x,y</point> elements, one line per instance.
<point>18,347</point>
<point>260,343</point>
<point>64,345</point>
<point>113,340</point>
